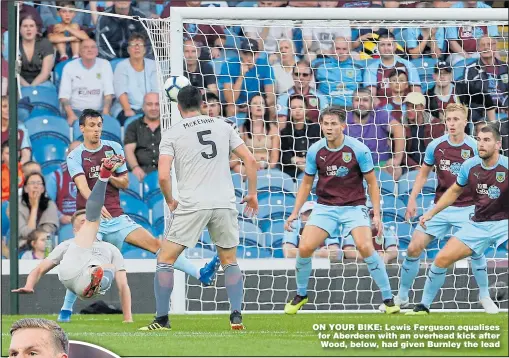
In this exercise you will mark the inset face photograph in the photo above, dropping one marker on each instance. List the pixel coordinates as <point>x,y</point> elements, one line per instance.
<point>87,350</point>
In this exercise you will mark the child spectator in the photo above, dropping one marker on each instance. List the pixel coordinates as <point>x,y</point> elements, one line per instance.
<point>398,84</point>
<point>66,33</point>
<point>35,246</point>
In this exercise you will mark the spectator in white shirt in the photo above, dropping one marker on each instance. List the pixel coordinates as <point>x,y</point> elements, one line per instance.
<point>134,77</point>
<point>283,69</point>
<point>268,36</point>
<point>86,83</point>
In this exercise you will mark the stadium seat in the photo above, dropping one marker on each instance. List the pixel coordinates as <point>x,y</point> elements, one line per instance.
<point>151,190</point>
<point>114,62</point>
<point>404,230</point>
<point>250,234</point>
<point>392,208</point>
<point>49,151</point>
<point>134,187</point>
<point>50,168</point>
<point>458,69</point>
<point>40,96</point>
<point>426,68</point>
<point>386,182</point>
<point>58,71</point>
<point>65,233</point>
<point>129,121</point>
<point>135,208</point>
<point>406,182</point>
<point>423,203</point>
<point>158,217</point>
<point>5,218</point>
<point>237,184</point>
<point>252,252</point>
<point>300,177</point>
<point>274,232</point>
<point>111,130</point>
<point>138,253</point>
<point>199,253</point>
<point>273,180</point>
<point>276,205</point>
<point>48,126</point>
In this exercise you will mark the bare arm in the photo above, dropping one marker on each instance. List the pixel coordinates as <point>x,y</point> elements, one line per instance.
<point>47,66</point>
<point>374,192</point>
<point>36,274</point>
<point>275,152</point>
<point>77,33</point>
<point>108,99</point>
<point>26,155</point>
<point>398,137</point>
<point>303,193</point>
<point>251,166</point>
<point>120,182</point>
<point>23,82</point>
<point>56,38</point>
<point>213,88</point>
<point>417,51</point>
<point>67,107</point>
<point>124,102</point>
<point>130,156</point>
<point>124,292</point>
<point>420,180</point>
<point>289,250</point>
<point>164,169</point>
<point>81,184</point>
<point>455,47</point>
<point>449,197</point>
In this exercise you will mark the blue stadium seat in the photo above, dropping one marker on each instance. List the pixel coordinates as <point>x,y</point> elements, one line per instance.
<point>49,151</point>
<point>111,130</point>
<point>135,208</point>
<point>158,217</point>
<point>406,182</point>
<point>386,182</point>
<point>273,180</point>
<point>426,68</point>
<point>392,208</point>
<point>41,96</point>
<point>129,121</point>
<point>458,69</point>
<point>65,233</point>
<point>365,63</point>
<point>237,184</point>
<point>58,71</point>
<point>6,224</point>
<point>404,230</point>
<point>199,253</point>
<point>134,187</point>
<point>276,205</point>
<point>250,234</point>
<point>115,62</point>
<point>48,126</point>
<point>252,252</point>
<point>274,233</point>
<point>205,241</point>
<point>50,168</point>
<point>423,203</point>
<point>151,190</point>
<point>138,253</point>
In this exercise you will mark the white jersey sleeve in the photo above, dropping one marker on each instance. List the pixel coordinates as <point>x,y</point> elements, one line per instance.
<point>58,252</point>
<point>201,148</point>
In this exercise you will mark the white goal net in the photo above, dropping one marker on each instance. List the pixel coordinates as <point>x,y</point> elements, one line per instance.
<point>393,71</point>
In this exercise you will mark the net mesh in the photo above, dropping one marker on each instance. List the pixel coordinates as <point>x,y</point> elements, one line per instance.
<point>341,57</point>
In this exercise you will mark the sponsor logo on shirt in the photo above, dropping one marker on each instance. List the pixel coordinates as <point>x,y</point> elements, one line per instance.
<point>108,153</point>
<point>332,170</point>
<point>342,172</point>
<point>455,168</point>
<point>493,192</point>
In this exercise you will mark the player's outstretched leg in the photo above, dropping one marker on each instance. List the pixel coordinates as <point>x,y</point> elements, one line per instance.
<point>312,237</point>
<point>66,311</point>
<point>453,251</point>
<point>479,269</point>
<point>206,275</point>
<point>410,266</point>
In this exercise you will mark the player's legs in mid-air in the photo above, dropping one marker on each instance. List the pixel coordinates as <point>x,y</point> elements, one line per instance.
<point>91,275</point>
<point>438,227</point>
<point>472,239</point>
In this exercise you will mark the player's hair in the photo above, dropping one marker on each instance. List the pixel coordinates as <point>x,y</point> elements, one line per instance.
<point>76,214</point>
<point>89,113</point>
<point>493,129</point>
<point>189,99</point>
<point>59,337</point>
<point>460,107</point>
<point>334,111</point>
<point>137,36</point>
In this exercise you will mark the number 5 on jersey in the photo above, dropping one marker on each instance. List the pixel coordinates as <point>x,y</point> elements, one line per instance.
<point>203,141</point>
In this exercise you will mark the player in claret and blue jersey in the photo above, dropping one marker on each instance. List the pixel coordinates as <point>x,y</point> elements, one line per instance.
<point>341,163</point>
<point>486,176</point>
<point>445,154</point>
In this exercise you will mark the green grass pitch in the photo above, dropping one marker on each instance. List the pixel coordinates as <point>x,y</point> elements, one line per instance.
<point>266,335</point>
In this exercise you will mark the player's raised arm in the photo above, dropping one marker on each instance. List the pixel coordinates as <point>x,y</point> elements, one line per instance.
<point>164,173</point>
<point>36,274</point>
<point>445,201</point>
<point>124,292</point>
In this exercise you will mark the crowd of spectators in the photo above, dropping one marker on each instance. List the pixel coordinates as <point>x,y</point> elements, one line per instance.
<point>270,81</point>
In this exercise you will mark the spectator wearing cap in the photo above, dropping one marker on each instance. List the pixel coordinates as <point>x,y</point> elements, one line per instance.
<point>398,84</point>
<point>291,239</point>
<point>283,68</point>
<point>36,52</point>
<point>463,40</point>
<point>244,76</point>
<point>386,245</point>
<point>268,36</point>
<point>86,82</point>
<point>142,138</point>
<point>420,129</point>
<point>296,138</point>
<point>376,76</point>
<point>314,100</point>
<point>337,75</point>
<point>134,77</point>
<point>24,145</point>
<point>200,73</point>
<point>444,91</point>
<point>488,75</point>
<point>113,33</point>
<point>382,135</point>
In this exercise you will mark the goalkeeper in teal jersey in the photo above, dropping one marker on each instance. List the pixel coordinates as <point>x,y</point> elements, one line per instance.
<point>341,163</point>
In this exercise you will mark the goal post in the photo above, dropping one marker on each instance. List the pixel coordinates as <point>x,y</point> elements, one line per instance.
<point>336,285</point>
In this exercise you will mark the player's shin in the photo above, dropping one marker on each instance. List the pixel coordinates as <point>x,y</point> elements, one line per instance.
<point>302,273</point>
<point>479,269</point>
<point>234,285</point>
<point>409,270</point>
<point>95,201</point>
<point>185,265</point>
<point>434,281</point>
<point>163,286</point>
<point>378,272</point>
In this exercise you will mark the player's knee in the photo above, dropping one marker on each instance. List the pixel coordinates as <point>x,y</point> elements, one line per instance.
<point>365,248</point>
<point>414,250</point>
<point>305,250</point>
<point>442,260</point>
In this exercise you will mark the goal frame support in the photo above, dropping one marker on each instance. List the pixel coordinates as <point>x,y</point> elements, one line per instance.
<point>181,15</point>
